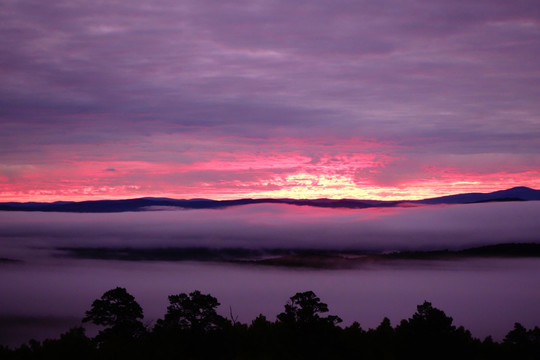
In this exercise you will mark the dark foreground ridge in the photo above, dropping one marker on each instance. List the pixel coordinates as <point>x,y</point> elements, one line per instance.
<point>302,258</point>
<point>192,329</point>
<point>148,203</point>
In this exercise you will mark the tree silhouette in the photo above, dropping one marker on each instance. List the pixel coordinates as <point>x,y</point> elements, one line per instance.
<point>119,312</point>
<point>305,308</point>
<point>193,330</point>
<point>517,336</point>
<point>196,312</point>
<point>431,321</point>
<point>73,344</point>
<point>523,343</point>
<point>303,333</point>
<point>430,334</point>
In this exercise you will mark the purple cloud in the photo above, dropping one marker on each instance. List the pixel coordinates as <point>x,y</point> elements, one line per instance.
<point>105,80</point>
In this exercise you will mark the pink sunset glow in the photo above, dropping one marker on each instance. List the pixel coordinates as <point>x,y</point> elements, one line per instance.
<point>202,99</point>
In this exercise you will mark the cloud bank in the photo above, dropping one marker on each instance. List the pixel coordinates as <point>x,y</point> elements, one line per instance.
<point>260,227</point>
<point>205,99</point>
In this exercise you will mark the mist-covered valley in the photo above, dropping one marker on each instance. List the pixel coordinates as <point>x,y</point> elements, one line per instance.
<point>54,264</point>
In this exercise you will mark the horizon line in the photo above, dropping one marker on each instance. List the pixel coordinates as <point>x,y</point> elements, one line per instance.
<point>262,198</point>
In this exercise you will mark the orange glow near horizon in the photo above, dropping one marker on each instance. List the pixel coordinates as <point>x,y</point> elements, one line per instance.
<point>247,176</point>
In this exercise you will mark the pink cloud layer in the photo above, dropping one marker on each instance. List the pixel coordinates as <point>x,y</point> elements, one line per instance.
<point>229,176</point>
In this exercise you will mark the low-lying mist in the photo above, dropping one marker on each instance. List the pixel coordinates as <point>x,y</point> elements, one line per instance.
<point>51,288</point>
<point>278,227</point>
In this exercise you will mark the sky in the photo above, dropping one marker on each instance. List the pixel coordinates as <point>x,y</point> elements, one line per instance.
<point>389,99</point>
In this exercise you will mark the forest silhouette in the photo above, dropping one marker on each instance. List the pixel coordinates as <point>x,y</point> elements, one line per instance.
<point>192,329</point>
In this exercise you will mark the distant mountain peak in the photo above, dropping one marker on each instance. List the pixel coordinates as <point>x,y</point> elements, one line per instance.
<point>517,189</point>
<point>521,188</point>
<point>518,193</point>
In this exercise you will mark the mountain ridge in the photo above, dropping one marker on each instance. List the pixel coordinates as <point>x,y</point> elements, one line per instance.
<point>519,193</point>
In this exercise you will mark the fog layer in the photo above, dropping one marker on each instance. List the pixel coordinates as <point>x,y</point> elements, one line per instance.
<point>44,294</point>
<point>277,226</point>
